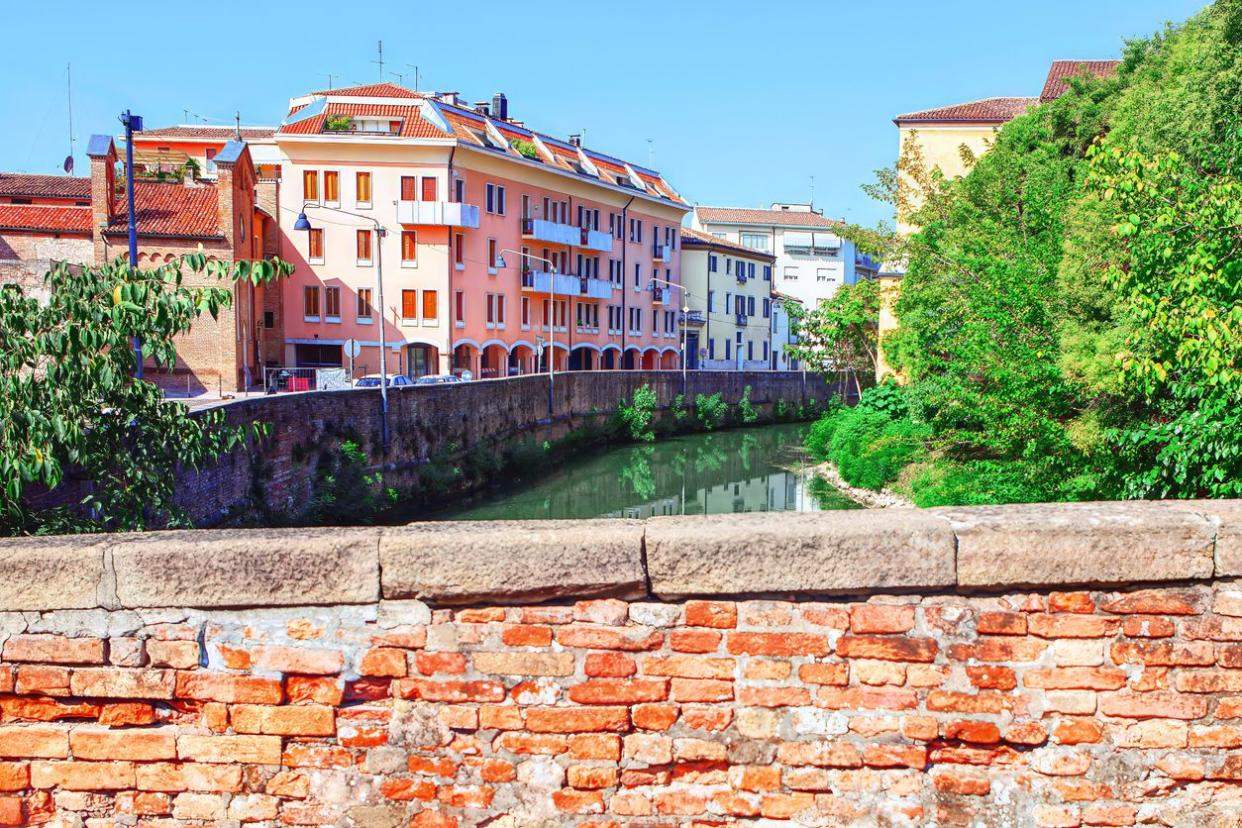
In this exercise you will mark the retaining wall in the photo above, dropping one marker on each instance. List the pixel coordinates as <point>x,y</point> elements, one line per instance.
<point>1044,665</point>
<point>430,423</point>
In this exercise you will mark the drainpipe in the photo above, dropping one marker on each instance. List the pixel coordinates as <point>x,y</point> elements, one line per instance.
<point>450,301</point>
<point>625,275</point>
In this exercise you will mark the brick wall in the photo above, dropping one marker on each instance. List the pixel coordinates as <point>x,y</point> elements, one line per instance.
<point>339,678</point>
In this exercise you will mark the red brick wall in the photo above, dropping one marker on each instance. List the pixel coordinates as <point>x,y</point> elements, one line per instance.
<point>1049,709</point>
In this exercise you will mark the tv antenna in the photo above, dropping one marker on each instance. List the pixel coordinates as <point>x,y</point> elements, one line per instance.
<point>381,60</point>
<point>812,193</point>
<point>68,164</point>
<point>417,77</point>
<point>329,76</point>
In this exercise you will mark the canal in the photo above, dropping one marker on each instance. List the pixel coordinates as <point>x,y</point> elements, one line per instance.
<point>742,470</point>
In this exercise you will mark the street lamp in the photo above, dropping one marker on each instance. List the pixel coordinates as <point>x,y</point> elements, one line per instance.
<point>303,224</point>
<point>685,313</point>
<point>500,264</point>
<point>132,123</point>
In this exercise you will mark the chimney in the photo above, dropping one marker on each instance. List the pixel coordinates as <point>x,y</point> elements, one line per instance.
<point>481,107</point>
<point>576,140</point>
<point>234,199</point>
<point>102,153</point>
<point>500,106</point>
<point>449,98</point>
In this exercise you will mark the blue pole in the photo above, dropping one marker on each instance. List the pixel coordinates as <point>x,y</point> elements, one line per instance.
<point>133,224</point>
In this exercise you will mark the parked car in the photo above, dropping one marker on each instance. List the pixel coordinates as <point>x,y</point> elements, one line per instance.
<point>439,379</point>
<point>394,381</point>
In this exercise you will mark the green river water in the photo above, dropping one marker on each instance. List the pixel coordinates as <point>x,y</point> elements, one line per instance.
<point>742,470</point>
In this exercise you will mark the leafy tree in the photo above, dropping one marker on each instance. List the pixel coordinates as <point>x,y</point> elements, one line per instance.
<point>711,411</point>
<point>637,415</point>
<point>840,335</point>
<point>69,403</point>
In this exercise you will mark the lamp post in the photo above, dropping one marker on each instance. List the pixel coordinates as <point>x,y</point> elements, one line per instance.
<point>132,123</point>
<point>303,223</point>
<point>500,263</point>
<point>685,313</point>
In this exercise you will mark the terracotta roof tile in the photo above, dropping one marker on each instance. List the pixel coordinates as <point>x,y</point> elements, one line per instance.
<point>413,124</point>
<point>778,218</point>
<point>696,238</point>
<point>372,90</point>
<point>1057,82</point>
<point>985,111</point>
<point>206,132</point>
<point>45,218</point>
<point>44,186</point>
<point>170,209</point>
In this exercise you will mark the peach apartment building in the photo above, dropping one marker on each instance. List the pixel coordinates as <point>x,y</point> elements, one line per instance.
<point>499,244</point>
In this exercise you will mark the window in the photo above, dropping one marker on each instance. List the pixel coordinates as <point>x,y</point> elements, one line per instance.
<point>332,304</point>
<point>711,301</point>
<point>767,308</point>
<point>728,349</point>
<point>310,304</point>
<point>310,186</point>
<point>495,199</point>
<point>750,349</point>
<point>364,305</point>
<point>409,247</point>
<point>364,247</point>
<point>712,263</point>
<point>750,305</point>
<point>495,310</point>
<point>314,245</point>
<point>408,185</point>
<point>409,306</point>
<point>491,256</point>
<point>429,192</point>
<point>755,241</point>
<point>211,161</point>
<point>765,352</point>
<point>526,313</point>
<point>459,251</point>
<point>711,349</point>
<point>767,273</point>
<point>332,187</point>
<point>526,206</point>
<point>362,189</point>
<point>728,266</point>
<point>638,275</point>
<point>459,190</point>
<point>269,319</point>
<point>750,270</point>
<point>791,274</point>
<point>431,309</point>
<point>459,308</point>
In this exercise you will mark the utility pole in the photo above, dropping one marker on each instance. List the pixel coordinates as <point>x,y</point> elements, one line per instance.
<point>417,78</point>
<point>330,76</point>
<point>132,123</point>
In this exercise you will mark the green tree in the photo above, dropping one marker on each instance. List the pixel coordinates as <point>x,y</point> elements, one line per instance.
<point>840,335</point>
<point>69,402</point>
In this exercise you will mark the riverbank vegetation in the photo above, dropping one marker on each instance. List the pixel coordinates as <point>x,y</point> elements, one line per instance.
<point>1070,320</point>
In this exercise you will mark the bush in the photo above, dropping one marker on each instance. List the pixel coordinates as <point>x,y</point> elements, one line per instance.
<point>710,411</point>
<point>872,442</point>
<point>746,409</point>
<point>636,417</point>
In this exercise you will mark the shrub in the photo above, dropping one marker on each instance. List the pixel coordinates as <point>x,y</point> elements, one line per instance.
<point>746,409</point>
<point>636,417</point>
<point>871,442</point>
<point>710,411</point>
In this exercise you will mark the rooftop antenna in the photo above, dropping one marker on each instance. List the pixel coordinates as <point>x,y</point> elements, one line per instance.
<point>812,194</point>
<point>400,78</point>
<point>68,165</point>
<point>650,154</point>
<point>417,79</point>
<point>381,60</point>
<point>185,116</point>
<point>237,122</point>
<point>329,76</point>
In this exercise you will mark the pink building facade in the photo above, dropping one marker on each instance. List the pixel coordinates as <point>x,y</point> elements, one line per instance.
<point>499,245</point>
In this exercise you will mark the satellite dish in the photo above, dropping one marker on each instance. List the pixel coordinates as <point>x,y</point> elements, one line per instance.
<point>68,165</point>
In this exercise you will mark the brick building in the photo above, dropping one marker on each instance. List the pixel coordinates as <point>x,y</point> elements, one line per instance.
<point>47,219</point>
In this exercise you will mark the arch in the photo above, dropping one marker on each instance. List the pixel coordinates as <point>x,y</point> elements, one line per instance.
<point>611,346</point>
<point>421,359</point>
<point>465,341</point>
<point>520,344</point>
<point>580,357</point>
<point>609,358</point>
<point>632,358</point>
<point>669,360</point>
<point>522,358</point>
<point>465,356</point>
<point>498,343</point>
<point>493,359</point>
<point>651,359</point>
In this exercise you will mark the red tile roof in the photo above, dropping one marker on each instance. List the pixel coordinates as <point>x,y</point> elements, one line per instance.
<point>372,90</point>
<point>170,209</point>
<point>694,238</point>
<point>46,219</point>
<point>413,124</point>
<point>1057,82</point>
<point>777,218</point>
<point>985,111</point>
<point>44,186</point>
<point>204,132</point>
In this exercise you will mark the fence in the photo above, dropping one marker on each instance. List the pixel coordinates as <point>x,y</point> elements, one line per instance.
<point>306,379</point>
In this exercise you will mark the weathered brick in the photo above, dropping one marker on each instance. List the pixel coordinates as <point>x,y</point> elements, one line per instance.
<point>777,644</point>
<point>612,665</point>
<point>54,649</point>
<point>601,637</point>
<point>889,649</point>
<point>33,741</point>
<point>181,655</point>
<point>123,683</point>
<point>228,688</point>
<point>139,745</point>
<point>302,660</point>
<point>881,618</point>
<point>577,720</point>
<point>619,691</point>
<point>83,776</point>
<point>292,720</point>
<point>524,664</point>
<point>718,614</point>
<point>383,661</point>
<point>258,750</point>
<point>681,666</point>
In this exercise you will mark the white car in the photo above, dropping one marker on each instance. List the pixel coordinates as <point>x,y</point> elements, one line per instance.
<point>394,381</point>
<point>439,379</point>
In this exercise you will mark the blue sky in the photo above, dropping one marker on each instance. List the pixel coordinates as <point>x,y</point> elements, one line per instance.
<point>737,103</point>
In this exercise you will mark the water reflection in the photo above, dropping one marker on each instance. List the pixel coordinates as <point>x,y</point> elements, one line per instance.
<point>723,472</point>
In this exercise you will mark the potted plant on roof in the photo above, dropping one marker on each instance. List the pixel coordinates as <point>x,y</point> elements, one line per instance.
<point>339,123</point>
<point>525,148</point>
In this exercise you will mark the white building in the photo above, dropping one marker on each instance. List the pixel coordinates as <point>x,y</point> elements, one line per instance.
<point>812,261</point>
<point>782,338</point>
<point>729,297</point>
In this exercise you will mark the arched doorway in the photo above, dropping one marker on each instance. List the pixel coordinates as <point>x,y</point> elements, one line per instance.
<point>521,359</point>
<point>669,361</point>
<point>651,359</point>
<point>582,358</point>
<point>609,358</point>
<point>632,359</point>
<point>465,359</point>
<point>493,361</point>
<point>421,359</point>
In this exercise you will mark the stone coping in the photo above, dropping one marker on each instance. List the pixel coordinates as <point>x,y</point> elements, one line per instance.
<point>771,554</point>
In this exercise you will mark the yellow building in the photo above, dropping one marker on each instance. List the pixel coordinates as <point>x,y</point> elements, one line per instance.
<point>946,137</point>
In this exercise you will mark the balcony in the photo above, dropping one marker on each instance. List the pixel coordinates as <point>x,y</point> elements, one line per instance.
<point>741,320</point>
<point>438,213</point>
<point>659,296</point>
<point>550,231</point>
<point>741,277</point>
<point>693,319</point>
<point>565,284</point>
<point>594,288</point>
<point>596,240</point>
<point>662,253</point>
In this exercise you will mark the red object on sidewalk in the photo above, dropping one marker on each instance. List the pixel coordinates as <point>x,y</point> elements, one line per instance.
<point>299,383</point>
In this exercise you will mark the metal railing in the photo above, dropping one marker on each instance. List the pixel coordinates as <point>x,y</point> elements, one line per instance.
<point>278,380</point>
